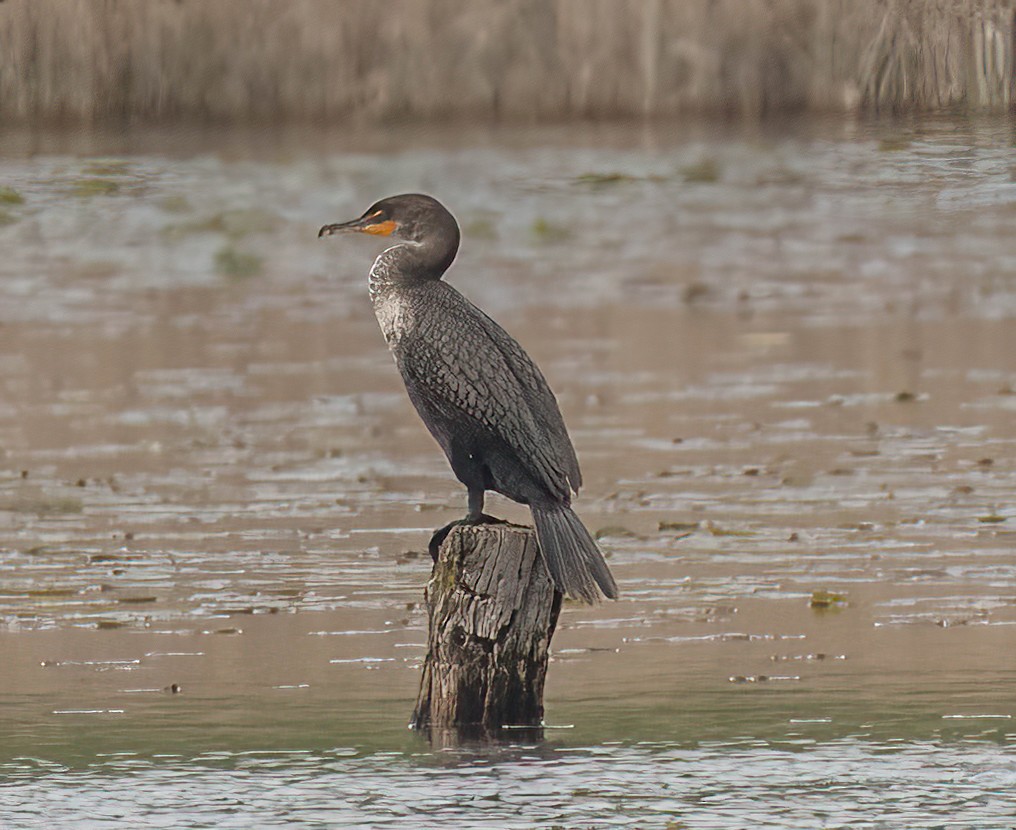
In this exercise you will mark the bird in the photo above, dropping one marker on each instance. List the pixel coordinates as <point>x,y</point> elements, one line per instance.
<point>479,394</point>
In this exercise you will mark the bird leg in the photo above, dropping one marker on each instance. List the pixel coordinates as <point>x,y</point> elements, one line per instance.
<point>475,516</point>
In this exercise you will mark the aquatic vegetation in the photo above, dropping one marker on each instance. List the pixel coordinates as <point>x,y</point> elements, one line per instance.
<point>106,167</point>
<point>894,144</point>
<point>679,527</point>
<point>230,262</point>
<point>615,531</point>
<point>603,179</point>
<point>480,229</point>
<point>826,599</point>
<point>716,530</point>
<point>705,171</point>
<point>550,232</point>
<point>95,187</point>
<point>9,196</point>
<point>48,506</point>
<point>52,592</point>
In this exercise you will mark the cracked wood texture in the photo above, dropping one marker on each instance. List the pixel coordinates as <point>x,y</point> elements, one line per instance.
<point>492,610</point>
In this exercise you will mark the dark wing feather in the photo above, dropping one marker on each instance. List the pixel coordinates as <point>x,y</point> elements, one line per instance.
<point>465,366</point>
<point>542,403</point>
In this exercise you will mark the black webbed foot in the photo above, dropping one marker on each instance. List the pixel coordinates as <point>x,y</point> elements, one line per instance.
<point>442,533</point>
<point>483,519</point>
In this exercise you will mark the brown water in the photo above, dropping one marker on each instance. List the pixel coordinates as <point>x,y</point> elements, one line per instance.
<point>788,363</point>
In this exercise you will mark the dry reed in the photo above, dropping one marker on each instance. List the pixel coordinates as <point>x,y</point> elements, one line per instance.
<point>366,61</point>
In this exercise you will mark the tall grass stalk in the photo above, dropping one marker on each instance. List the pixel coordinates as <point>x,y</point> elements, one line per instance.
<point>518,60</point>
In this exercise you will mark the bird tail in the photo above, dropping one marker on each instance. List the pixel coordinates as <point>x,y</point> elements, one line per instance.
<point>572,557</point>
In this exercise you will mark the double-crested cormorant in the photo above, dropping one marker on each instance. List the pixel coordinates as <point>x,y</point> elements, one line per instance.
<point>480,395</point>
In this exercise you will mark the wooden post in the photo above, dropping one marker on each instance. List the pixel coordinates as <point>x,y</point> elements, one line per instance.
<point>492,610</point>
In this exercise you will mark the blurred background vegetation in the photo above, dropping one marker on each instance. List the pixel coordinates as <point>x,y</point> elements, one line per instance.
<point>371,62</point>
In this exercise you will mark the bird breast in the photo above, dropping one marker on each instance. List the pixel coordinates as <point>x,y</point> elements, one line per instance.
<point>394,315</point>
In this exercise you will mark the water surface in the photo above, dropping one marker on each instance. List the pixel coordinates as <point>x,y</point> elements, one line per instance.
<point>787,362</point>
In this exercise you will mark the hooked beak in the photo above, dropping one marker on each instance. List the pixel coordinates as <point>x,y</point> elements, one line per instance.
<point>365,224</point>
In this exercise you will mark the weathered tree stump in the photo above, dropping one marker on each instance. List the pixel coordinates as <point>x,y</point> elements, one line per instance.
<point>492,610</point>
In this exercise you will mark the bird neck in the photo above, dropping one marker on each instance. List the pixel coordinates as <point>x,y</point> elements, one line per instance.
<point>411,262</point>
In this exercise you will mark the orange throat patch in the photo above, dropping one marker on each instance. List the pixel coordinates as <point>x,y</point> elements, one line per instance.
<point>381,228</point>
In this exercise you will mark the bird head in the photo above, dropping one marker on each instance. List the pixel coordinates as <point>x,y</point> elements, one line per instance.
<point>412,217</point>
<point>427,234</point>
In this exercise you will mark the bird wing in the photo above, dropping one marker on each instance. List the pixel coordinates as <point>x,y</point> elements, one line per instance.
<point>542,404</point>
<point>465,364</point>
